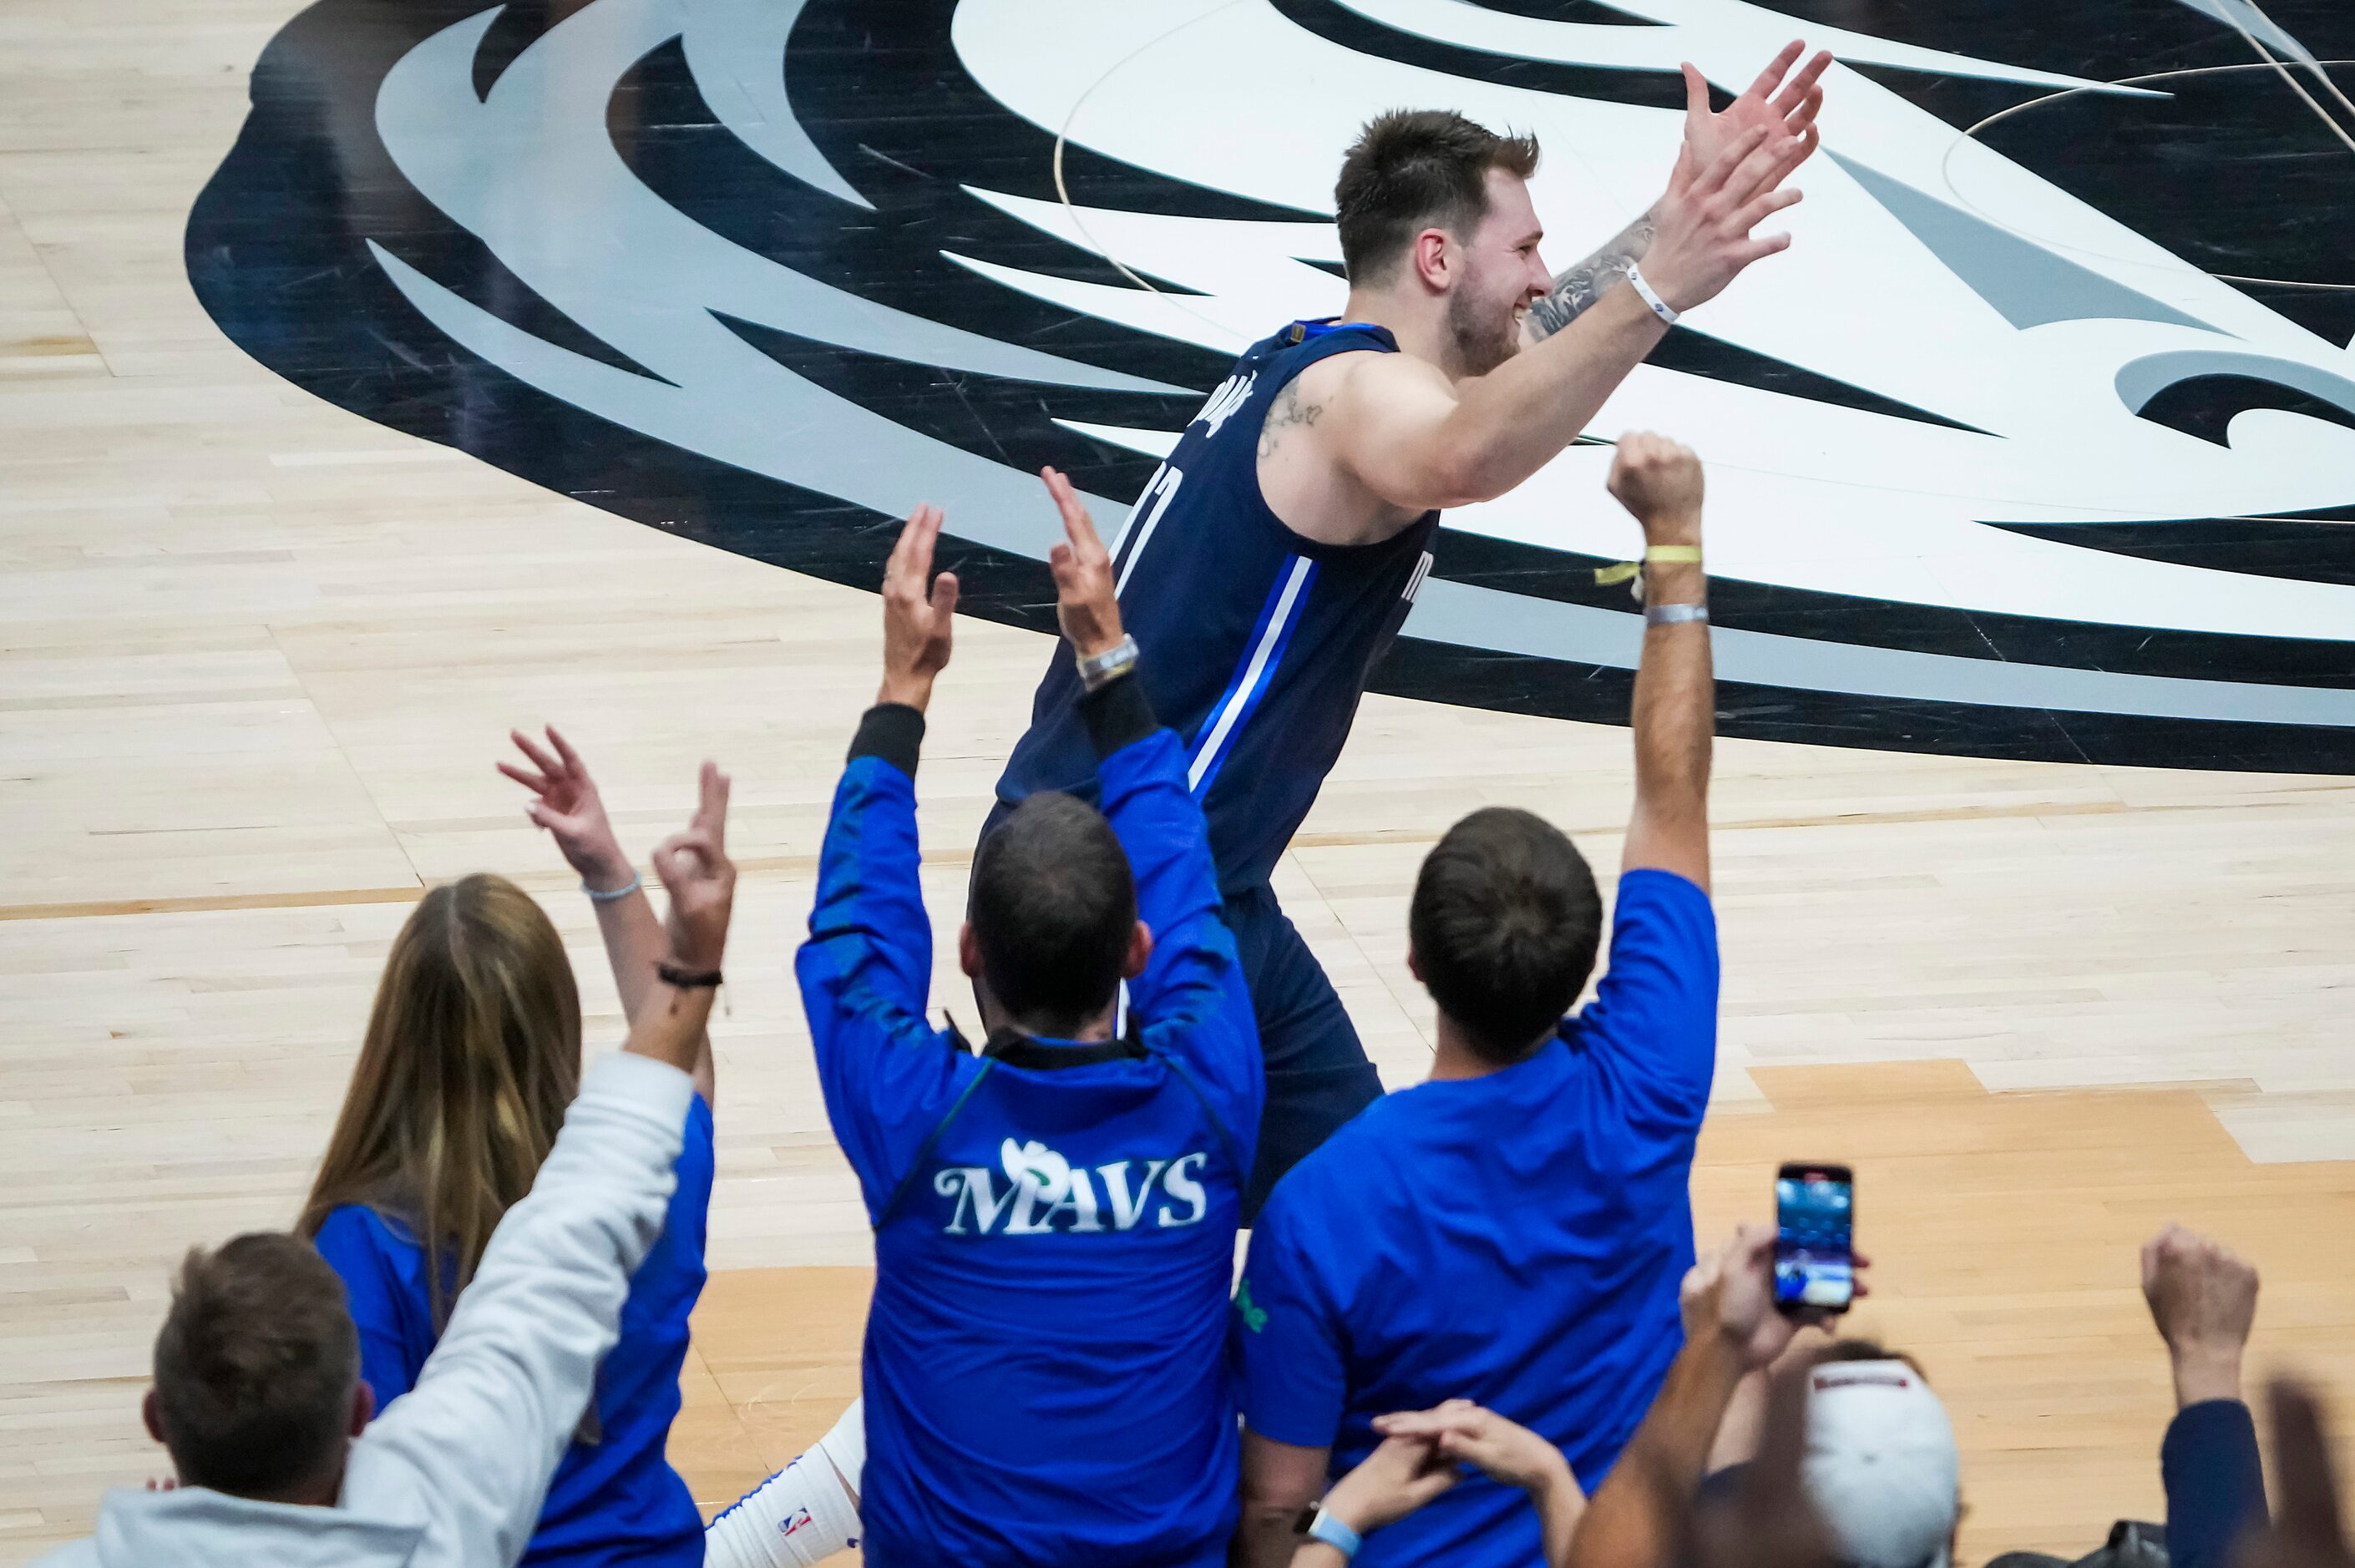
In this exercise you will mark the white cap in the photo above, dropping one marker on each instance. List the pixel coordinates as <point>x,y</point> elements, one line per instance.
<point>1882,1465</point>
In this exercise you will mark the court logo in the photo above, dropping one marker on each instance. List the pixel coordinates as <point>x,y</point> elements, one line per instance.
<point>2013,451</point>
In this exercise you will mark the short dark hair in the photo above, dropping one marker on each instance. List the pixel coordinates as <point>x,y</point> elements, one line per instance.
<point>1505,922</point>
<point>1053,902</point>
<point>1414,169</point>
<point>255,1365</point>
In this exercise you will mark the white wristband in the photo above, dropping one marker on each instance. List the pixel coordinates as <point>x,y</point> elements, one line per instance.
<point>1644,291</point>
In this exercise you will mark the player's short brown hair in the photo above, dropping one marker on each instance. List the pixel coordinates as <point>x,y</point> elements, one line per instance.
<point>1505,921</point>
<point>255,1366</point>
<point>1413,169</point>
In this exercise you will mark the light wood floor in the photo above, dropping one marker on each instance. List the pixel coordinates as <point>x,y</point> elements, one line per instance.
<point>257,657</point>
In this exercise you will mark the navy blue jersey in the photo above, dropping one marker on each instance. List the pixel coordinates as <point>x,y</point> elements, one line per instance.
<point>1256,643</point>
<point>1046,1358</point>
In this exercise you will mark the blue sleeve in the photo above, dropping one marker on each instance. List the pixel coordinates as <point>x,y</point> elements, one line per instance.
<point>1653,1021</point>
<point>690,1204</point>
<point>1288,1336</point>
<point>1190,1000</point>
<point>395,1331</point>
<point>865,972</point>
<point>2215,1483</point>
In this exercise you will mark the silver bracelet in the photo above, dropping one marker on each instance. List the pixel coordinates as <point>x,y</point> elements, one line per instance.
<point>1674,614</point>
<point>1101,670</point>
<point>611,894</point>
<point>1644,290</point>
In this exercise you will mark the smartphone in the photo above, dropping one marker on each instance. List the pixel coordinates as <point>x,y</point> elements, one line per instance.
<point>1815,1237</point>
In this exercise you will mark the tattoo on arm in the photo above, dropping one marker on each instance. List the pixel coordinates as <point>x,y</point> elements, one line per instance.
<point>1288,409</point>
<point>1576,290</point>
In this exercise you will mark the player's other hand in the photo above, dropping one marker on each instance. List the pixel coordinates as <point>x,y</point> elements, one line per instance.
<point>1084,602</point>
<point>918,613</point>
<point>700,878</point>
<point>1702,234</point>
<point>1660,482</point>
<point>1785,104</point>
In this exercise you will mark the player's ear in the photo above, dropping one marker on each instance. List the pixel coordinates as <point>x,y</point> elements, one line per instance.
<point>969,952</point>
<point>1433,259</point>
<point>363,1407</point>
<point>1140,949</point>
<point>151,1411</point>
<point>1415,966</point>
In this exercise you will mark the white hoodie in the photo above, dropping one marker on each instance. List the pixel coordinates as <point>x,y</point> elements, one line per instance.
<point>452,1473</point>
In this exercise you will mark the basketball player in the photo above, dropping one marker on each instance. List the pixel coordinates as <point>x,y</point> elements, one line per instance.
<point>1269,563</point>
<point>1273,557</point>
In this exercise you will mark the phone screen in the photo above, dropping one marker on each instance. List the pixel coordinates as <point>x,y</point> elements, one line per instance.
<point>1815,1237</point>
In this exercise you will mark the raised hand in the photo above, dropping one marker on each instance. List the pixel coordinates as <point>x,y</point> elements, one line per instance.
<point>2204,1299</point>
<point>918,612</point>
<point>1659,483</point>
<point>1501,1449</point>
<point>1085,605</point>
<point>1702,225</point>
<point>700,878</point>
<point>1786,108</point>
<point>1395,1480</point>
<point>568,806</point>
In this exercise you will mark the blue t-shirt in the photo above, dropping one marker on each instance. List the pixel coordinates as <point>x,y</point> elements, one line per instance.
<point>617,1500</point>
<point>1516,1239</point>
<point>1046,1364</point>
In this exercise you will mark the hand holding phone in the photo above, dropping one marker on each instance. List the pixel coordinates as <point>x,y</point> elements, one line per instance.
<point>1815,1237</point>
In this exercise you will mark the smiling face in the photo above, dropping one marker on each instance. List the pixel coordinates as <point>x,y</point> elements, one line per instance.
<point>1501,276</point>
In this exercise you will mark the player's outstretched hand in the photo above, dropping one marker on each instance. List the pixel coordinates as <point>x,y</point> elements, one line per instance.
<point>1660,482</point>
<point>700,878</point>
<point>1702,237</point>
<point>567,804</point>
<point>918,612</point>
<point>1784,104</point>
<point>1085,604</point>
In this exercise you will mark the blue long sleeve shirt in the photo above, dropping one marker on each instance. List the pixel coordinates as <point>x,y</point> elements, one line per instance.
<point>1054,1221</point>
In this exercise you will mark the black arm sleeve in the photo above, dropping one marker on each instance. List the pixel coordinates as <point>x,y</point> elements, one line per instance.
<point>2216,1484</point>
<point>1117,713</point>
<point>893,731</point>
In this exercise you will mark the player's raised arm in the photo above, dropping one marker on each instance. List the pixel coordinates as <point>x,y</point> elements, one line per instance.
<point>1675,717</point>
<point>1418,439</point>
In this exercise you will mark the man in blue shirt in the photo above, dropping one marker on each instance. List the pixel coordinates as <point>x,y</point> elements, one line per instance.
<point>1513,1231</point>
<point>1054,1217</point>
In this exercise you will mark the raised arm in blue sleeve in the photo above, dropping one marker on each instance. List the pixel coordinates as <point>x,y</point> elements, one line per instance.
<point>1190,997</point>
<point>2215,1483</point>
<point>1653,1016</point>
<point>867,969</point>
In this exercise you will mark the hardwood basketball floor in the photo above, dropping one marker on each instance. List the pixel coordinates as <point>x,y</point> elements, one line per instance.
<point>257,656</point>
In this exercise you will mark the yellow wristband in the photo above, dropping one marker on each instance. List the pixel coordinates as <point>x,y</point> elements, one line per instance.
<point>1657,554</point>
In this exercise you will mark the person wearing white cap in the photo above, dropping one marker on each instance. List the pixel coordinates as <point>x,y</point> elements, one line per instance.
<point>1881,1464</point>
